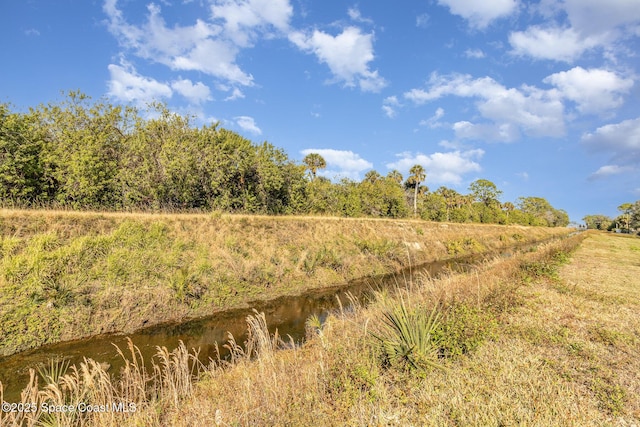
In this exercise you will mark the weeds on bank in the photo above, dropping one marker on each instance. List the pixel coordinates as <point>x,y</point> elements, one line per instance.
<point>465,245</point>
<point>89,395</point>
<point>344,376</point>
<point>464,328</point>
<point>66,275</point>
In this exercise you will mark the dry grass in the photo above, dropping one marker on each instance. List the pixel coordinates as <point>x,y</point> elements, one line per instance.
<point>66,275</point>
<point>540,345</point>
<point>558,357</point>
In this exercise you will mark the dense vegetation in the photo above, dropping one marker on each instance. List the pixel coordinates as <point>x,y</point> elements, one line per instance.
<point>81,154</point>
<point>627,221</point>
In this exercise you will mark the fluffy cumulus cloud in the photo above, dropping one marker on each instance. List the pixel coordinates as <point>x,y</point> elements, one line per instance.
<point>441,168</point>
<point>347,55</point>
<point>577,26</point>
<point>621,141</point>
<point>508,111</point>
<point>248,124</point>
<point>210,47</point>
<point>480,14</point>
<point>597,17</point>
<point>609,170</point>
<point>340,163</point>
<point>559,44</point>
<point>195,93</point>
<point>213,57</point>
<point>593,90</point>
<point>245,19</point>
<point>127,86</point>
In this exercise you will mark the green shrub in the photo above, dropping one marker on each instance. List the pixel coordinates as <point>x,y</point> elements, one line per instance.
<point>324,257</point>
<point>517,237</point>
<point>409,340</point>
<point>381,249</point>
<point>463,329</point>
<point>462,246</point>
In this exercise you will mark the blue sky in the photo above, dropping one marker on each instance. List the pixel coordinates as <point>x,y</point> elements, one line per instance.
<point>542,98</point>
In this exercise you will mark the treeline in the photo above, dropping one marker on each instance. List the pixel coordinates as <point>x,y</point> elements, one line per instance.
<point>94,155</point>
<point>628,220</point>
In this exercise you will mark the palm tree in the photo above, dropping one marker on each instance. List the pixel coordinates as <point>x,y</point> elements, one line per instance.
<point>314,161</point>
<point>626,209</point>
<point>372,176</point>
<point>395,176</point>
<point>417,176</point>
<point>508,207</point>
<point>451,198</point>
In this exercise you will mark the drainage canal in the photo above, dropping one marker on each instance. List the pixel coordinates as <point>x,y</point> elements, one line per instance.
<point>287,314</point>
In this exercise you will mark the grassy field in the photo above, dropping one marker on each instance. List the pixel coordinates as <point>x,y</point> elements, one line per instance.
<point>67,275</point>
<point>545,338</point>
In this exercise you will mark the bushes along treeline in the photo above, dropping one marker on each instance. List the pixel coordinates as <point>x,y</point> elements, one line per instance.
<point>94,155</point>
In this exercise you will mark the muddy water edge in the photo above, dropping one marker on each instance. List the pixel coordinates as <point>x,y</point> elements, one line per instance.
<point>287,315</point>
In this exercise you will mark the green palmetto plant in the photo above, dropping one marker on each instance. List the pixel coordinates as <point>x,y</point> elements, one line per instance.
<point>409,339</point>
<point>52,373</point>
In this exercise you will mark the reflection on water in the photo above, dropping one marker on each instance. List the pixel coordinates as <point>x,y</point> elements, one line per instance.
<point>286,314</point>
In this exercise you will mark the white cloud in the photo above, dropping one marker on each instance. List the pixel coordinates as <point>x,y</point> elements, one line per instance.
<point>503,132</point>
<point>348,55</point>
<point>480,14</point>
<point>389,111</point>
<point>340,163</point>
<point>597,16</point>
<point>462,85</point>
<point>203,46</point>
<point>474,53</point>
<point>248,124</point>
<point>128,86</point>
<point>559,44</point>
<point>389,105</point>
<point>609,170</point>
<point>523,175</point>
<point>213,57</point>
<point>32,32</point>
<point>590,24</point>
<point>441,168</point>
<point>530,110</point>
<point>212,45</point>
<point>452,145</point>
<point>422,21</point>
<point>620,140</point>
<point>244,19</point>
<point>235,94</point>
<point>593,90</point>
<point>433,121</point>
<point>355,15</point>
<point>195,93</point>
